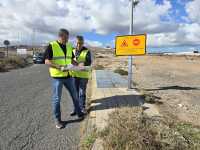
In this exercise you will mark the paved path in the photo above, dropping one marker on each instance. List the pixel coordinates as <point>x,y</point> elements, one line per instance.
<point>108,93</point>
<point>25,113</point>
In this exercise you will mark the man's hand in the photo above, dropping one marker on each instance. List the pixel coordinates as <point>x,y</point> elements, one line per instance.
<point>50,64</point>
<point>62,68</point>
<point>81,64</point>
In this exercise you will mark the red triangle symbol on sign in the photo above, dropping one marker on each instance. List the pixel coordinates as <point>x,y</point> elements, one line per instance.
<point>124,44</point>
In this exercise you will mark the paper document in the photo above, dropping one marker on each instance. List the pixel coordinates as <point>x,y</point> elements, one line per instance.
<point>76,68</point>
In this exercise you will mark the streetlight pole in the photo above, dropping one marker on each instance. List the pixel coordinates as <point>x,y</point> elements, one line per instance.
<point>130,58</point>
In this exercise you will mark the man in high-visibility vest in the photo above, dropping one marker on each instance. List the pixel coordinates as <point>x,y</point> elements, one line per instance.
<point>82,58</point>
<point>58,54</point>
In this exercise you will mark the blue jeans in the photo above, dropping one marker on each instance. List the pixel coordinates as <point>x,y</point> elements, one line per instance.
<point>81,86</point>
<point>57,85</point>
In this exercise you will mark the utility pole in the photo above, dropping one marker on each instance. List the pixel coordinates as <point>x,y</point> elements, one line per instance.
<point>130,58</point>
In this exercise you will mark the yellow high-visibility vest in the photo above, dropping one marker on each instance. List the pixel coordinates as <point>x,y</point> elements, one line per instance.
<point>60,59</point>
<point>82,59</point>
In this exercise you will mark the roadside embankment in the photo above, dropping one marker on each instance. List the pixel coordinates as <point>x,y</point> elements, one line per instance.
<point>14,62</point>
<point>122,119</point>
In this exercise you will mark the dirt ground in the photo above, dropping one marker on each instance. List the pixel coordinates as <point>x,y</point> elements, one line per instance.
<point>175,80</point>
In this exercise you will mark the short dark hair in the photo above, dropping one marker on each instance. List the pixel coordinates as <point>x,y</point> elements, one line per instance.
<point>63,31</point>
<point>80,38</point>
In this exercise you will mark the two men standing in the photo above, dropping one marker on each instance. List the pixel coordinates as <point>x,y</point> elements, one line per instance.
<point>57,55</point>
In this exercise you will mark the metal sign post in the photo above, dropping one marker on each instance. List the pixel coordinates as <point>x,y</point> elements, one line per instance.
<point>6,43</point>
<point>130,58</point>
<point>130,45</point>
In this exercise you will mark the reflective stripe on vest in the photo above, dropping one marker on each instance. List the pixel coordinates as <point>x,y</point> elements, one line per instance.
<point>60,59</point>
<point>82,59</point>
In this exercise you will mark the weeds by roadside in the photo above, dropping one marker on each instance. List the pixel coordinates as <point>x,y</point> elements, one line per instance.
<point>88,131</point>
<point>88,141</point>
<point>131,129</point>
<point>99,56</point>
<point>151,99</point>
<point>13,62</point>
<point>121,72</point>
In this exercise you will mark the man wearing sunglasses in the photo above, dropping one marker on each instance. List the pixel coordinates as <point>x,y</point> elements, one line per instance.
<point>57,55</point>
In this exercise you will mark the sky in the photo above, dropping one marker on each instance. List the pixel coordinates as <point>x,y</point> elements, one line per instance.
<point>169,24</point>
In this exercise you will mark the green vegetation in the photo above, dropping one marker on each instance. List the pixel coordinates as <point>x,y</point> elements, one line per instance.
<point>121,72</point>
<point>131,129</point>
<point>190,133</point>
<point>88,141</point>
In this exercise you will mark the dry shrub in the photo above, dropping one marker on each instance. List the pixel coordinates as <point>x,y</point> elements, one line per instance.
<point>121,72</point>
<point>2,66</point>
<point>99,67</point>
<point>13,62</point>
<point>131,129</point>
<point>152,99</point>
<point>100,56</point>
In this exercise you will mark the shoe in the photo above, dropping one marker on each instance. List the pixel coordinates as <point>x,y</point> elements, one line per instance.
<point>73,113</point>
<point>59,125</point>
<point>84,111</point>
<point>81,116</point>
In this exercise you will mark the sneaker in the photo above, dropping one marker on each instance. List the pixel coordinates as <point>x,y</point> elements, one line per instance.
<point>84,111</point>
<point>81,116</point>
<point>59,125</point>
<point>73,113</point>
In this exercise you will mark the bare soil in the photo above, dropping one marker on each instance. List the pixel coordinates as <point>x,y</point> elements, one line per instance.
<point>175,80</point>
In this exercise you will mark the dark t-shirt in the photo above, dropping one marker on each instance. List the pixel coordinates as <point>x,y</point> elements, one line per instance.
<point>49,52</point>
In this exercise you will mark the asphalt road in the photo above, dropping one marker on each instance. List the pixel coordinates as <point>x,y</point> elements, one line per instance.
<point>26,121</point>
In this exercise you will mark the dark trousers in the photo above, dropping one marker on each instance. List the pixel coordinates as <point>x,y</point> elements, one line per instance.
<point>81,86</point>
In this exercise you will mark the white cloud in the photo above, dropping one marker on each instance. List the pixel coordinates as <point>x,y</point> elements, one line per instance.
<point>192,9</point>
<point>113,16</point>
<point>94,43</point>
<point>21,17</point>
<point>186,34</point>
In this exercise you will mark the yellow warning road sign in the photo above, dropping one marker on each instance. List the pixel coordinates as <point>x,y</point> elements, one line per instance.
<point>130,45</point>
